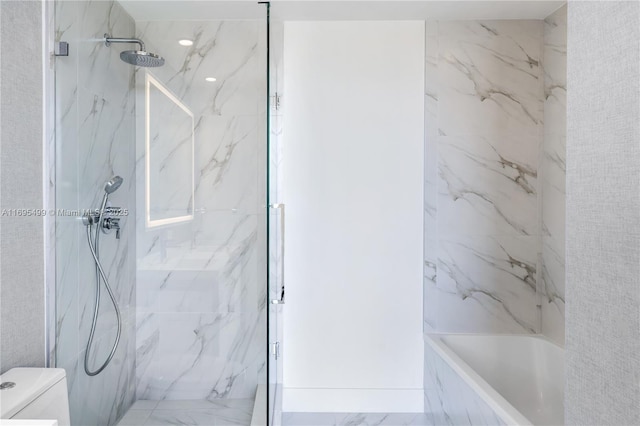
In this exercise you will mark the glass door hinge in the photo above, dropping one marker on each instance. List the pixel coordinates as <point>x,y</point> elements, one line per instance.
<point>275,102</point>
<point>275,350</point>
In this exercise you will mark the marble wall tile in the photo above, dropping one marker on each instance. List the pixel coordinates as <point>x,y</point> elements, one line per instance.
<point>104,123</point>
<point>430,289</point>
<point>147,350</point>
<point>176,290</point>
<point>110,399</point>
<point>171,159</point>
<point>553,187</point>
<point>67,322</point>
<point>201,286</point>
<point>491,280</point>
<point>227,163</point>
<point>101,69</point>
<point>430,178</point>
<point>227,50</point>
<point>431,127</point>
<point>216,359</point>
<point>72,369</point>
<point>94,141</point>
<point>67,230</point>
<point>555,72</point>
<point>554,175</point>
<point>483,129</point>
<point>217,293</point>
<point>553,296</point>
<point>489,73</point>
<point>487,186</point>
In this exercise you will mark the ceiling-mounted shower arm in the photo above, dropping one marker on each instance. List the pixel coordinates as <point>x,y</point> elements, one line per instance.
<point>108,40</point>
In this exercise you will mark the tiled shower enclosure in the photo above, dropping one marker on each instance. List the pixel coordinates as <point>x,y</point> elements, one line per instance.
<point>191,290</point>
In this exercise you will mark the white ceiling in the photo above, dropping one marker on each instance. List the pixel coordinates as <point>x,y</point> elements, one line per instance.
<point>303,10</point>
<point>398,10</point>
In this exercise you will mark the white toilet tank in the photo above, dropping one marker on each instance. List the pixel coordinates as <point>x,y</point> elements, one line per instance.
<point>34,393</point>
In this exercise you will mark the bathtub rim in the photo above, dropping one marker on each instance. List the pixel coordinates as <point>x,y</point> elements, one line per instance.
<point>503,408</point>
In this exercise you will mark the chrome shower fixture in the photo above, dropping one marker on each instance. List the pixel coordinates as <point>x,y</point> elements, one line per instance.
<point>103,221</point>
<point>113,184</point>
<point>140,58</point>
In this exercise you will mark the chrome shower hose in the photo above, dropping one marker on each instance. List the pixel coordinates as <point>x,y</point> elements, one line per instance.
<point>93,246</point>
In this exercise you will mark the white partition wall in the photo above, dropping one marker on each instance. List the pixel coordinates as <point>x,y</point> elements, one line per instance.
<point>353,172</point>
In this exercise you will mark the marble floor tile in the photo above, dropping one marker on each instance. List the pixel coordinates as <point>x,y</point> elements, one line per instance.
<point>208,417</point>
<point>189,412</point>
<point>243,405</point>
<point>144,404</point>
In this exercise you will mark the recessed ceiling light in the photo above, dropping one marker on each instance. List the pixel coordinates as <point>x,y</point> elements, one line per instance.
<point>210,79</point>
<point>185,42</point>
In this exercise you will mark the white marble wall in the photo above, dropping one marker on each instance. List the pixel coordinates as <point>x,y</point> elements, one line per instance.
<point>449,399</point>
<point>553,175</point>
<point>94,141</point>
<point>201,291</point>
<point>484,121</point>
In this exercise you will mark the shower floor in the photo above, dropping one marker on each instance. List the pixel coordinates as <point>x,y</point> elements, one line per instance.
<point>189,412</point>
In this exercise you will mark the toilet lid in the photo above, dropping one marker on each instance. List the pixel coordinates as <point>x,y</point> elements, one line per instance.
<point>30,383</point>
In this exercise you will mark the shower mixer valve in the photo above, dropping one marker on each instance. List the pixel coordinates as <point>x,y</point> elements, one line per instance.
<point>109,222</point>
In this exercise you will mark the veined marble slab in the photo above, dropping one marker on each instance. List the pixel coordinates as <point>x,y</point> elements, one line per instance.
<point>554,175</point>
<point>484,121</point>
<point>95,139</point>
<point>189,412</point>
<point>200,293</point>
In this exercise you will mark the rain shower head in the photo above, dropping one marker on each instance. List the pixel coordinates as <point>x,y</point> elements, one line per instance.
<point>140,58</point>
<point>113,184</point>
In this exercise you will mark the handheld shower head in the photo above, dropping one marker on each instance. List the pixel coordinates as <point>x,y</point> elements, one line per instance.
<point>113,184</point>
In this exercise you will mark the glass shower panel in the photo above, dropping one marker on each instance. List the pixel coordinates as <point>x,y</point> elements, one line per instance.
<point>201,237</point>
<point>95,140</point>
<point>188,266</point>
<point>276,221</point>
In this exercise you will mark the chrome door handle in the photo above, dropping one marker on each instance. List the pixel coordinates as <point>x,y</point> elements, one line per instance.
<point>280,207</point>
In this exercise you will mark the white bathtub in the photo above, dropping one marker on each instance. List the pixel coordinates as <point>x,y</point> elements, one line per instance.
<point>494,379</point>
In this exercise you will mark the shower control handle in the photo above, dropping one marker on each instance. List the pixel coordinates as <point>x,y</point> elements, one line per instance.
<point>111,223</point>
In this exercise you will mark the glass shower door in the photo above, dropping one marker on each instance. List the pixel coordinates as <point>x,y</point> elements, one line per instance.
<point>202,283</point>
<point>188,265</point>
<point>276,226</point>
<point>276,305</point>
<point>94,142</point>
